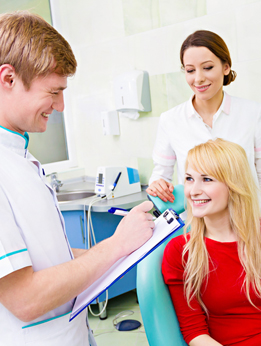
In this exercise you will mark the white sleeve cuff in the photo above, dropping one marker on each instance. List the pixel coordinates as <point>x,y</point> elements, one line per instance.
<point>13,261</point>
<point>162,172</point>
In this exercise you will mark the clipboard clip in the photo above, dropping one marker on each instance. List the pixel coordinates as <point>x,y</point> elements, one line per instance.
<point>169,215</point>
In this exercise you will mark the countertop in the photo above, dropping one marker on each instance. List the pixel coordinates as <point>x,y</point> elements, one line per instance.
<point>125,202</point>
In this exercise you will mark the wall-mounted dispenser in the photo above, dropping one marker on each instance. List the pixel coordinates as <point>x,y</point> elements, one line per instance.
<point>132,93</point>
<point>110,123</point>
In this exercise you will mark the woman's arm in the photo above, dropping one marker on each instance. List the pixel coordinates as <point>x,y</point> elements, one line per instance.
<point>192,320</point>
<point>204,340</point>
<point>258,170</point>
<point>164,159</point>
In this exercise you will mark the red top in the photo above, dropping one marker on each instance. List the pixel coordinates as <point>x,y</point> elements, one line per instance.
<point>232,319</point>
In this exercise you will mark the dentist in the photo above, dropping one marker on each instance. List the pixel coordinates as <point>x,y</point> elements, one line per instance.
<point>40,275</point>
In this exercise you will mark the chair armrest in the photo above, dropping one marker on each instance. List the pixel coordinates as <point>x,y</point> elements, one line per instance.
<point>158,314</point>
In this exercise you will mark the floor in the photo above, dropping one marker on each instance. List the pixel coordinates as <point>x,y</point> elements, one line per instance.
<point>104,331</point>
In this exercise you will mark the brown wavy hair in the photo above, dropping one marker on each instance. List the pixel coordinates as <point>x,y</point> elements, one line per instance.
<point>33,47</point>
<point>212,41</point>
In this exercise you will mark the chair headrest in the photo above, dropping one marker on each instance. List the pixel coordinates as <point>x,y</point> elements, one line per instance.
<point>178,205</point>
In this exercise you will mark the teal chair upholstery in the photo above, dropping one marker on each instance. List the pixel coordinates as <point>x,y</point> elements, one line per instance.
<point>158,314</point>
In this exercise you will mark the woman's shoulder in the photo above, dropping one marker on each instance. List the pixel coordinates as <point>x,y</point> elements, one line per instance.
<point>172,257</point>
<point>175,245</point>
<point>178,110</point>
<point>242,103</point>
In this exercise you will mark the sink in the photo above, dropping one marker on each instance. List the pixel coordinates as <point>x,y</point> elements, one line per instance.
<point>67,196</point>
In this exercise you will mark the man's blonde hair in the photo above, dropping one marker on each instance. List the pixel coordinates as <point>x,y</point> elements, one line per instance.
<point>227,162</point>
<point>33,47</point>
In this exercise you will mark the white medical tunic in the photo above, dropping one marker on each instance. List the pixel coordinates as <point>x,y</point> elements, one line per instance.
<point>32,234</point>
<point>181,128</point>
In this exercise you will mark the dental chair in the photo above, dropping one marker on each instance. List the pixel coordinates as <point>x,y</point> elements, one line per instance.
<point>157,311</point>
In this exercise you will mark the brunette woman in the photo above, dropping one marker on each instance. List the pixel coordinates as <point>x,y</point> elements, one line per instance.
<point>208,114</point>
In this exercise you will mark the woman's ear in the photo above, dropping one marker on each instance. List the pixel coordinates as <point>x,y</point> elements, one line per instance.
<point>226,69</point>
<point>7,76</point>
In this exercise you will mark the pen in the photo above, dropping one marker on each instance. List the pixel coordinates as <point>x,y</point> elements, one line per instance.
<point>121,212</point>
<point>116,181</point>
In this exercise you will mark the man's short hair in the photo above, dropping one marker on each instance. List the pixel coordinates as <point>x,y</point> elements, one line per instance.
<point>33,47</point>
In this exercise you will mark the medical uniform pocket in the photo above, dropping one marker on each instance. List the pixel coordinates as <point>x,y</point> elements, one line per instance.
<point>58,332</point>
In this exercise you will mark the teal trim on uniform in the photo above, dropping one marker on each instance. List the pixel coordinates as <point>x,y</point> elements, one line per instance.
<point>48,320</point>
<point>25,136</point>
<point>12,253</point>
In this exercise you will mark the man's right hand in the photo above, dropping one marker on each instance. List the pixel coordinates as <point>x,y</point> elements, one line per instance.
<point>162,189</point>
<point>134,229</point>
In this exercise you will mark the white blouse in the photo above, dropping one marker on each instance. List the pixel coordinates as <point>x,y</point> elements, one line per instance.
<point>181,128</point>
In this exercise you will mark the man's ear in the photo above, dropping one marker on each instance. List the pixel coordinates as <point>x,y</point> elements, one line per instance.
<point>7,76</point>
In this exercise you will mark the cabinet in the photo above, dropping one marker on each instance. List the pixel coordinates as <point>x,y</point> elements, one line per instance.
<point>74,223</point>
<point>104,225</point>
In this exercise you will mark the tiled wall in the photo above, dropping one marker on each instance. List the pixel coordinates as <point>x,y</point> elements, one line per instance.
<point>112,37</point>
<point>40,7</point>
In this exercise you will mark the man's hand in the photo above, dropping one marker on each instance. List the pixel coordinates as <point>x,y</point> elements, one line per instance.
<point>162,189</point>
<point>134,229</point>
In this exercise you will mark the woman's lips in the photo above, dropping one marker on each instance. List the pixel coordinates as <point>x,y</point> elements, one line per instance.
<point>200,202</point>
<point>202,88</point>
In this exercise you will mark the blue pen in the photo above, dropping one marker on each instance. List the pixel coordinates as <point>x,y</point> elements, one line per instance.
<point>118,211</point>
<point>121,212</point>
<point>116,181</point>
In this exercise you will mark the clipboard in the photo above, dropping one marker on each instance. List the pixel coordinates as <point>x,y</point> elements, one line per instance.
<point>165,225</point>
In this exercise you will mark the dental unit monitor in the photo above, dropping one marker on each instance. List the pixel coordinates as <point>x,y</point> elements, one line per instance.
<point>117,181</point>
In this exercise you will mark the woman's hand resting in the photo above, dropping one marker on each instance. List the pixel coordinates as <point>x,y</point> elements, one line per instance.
<point>162,189</point>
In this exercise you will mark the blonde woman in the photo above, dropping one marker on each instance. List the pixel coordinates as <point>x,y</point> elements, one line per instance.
<point>213,272</point>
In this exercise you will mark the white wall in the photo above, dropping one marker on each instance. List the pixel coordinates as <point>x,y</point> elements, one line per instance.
<point>112,37</point>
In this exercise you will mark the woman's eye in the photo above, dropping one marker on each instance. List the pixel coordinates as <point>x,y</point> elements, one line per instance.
<point>188,179</point>
<point>207,179</point>
<point>190,71</point>
<point>208,68</point>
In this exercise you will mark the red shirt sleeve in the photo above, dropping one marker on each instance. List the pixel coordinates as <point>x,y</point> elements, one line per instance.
<point>192,321</point>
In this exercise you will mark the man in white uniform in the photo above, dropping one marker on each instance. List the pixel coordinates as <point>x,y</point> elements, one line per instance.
<point>40,275</point>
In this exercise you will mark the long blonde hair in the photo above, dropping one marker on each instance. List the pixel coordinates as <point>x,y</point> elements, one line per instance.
<point>227,162</point>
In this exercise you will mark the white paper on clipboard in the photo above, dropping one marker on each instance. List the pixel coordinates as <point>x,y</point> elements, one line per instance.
<point>163,228</point>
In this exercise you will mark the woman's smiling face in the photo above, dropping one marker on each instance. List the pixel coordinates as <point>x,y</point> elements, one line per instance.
<point>207,196</point>
<point>204,72</point>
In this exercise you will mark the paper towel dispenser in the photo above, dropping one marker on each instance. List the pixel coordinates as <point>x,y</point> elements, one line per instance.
<point>132,93</point>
